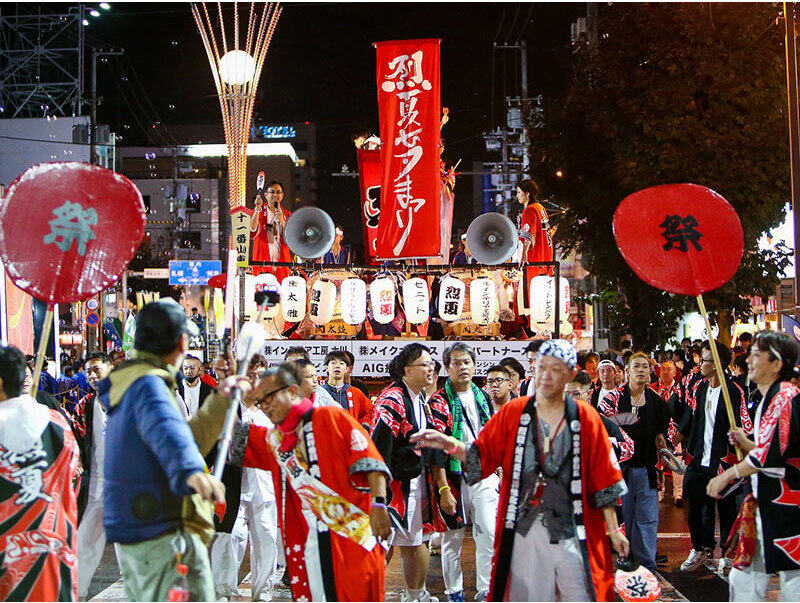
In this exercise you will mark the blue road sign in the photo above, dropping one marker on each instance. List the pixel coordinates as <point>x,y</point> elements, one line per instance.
<point>193,272</point>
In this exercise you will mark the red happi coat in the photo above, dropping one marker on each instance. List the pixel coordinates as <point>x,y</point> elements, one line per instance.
<point>38,503</point>
<point>344,456</point>
<point>777,456</point>
<point>260,252</point>
<point>498,443</point>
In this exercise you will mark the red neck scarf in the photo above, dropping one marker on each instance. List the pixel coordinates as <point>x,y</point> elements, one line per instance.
<point>289,424</point>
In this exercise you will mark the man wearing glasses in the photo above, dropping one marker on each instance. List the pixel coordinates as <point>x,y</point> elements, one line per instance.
<point>464,409</point>
<point>330,484</point>
<point>266,229</point>
<point>705,429</point>
<point>499,385</point>
<point>400,411</point>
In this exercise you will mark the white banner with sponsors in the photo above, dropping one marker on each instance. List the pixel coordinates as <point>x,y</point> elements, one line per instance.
<point>372,357</point>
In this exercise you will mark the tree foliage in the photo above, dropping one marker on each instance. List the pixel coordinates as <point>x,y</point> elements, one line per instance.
<point>672,93</point>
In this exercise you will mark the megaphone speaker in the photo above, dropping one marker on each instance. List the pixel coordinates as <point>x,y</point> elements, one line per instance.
<point>491,238</point>
<point>309,232</point>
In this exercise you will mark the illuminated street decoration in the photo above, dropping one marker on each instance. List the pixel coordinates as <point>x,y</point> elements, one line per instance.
<point>236,72</point>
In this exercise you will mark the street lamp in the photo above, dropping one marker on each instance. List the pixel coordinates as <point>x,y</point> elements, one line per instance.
<point>237,68</point>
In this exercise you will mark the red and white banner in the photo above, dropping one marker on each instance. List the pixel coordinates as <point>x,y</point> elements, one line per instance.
<point>369,176</point>
<point>409,103</point>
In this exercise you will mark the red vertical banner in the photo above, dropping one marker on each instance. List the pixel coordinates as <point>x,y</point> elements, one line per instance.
<point>369,176</point>
<point>409,104</point>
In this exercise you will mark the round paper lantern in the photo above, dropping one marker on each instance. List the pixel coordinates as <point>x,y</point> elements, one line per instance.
<point>452,293</point>
<point>353,298</point>
<point>293,298</point>
<point>381,296</point>
<point>416,300</point>
<point>322,303</point>
<point>252,284</point>
<point>542,298</point>
<point>483,300</point>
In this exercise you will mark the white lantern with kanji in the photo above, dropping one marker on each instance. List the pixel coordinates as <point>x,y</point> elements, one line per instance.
<point>259,283</point>
<point>381,295</point>
<point>542,296</point>
<point>293,298</point>
<point>353,297</point>
<point>416,300</point>
<point>452,293</point>
<point>482,300</point>
<point>322,303</point>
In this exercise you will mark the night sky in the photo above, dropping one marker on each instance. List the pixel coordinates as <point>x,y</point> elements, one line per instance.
<point>321,68</point>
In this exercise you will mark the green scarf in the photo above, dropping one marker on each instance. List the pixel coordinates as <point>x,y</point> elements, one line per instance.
<point>457,412</point>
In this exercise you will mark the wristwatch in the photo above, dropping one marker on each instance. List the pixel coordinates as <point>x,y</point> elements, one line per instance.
<point>379,500</point>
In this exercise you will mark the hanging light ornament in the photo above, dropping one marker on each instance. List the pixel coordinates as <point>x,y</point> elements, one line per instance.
<point>452,293</point>
<point>542,296</point>
<point>323,302</point>
<point>416,300</point>
<point>293,298</point>
<point>381,295</point>
<point>353,300</point>
<point>483,300</point>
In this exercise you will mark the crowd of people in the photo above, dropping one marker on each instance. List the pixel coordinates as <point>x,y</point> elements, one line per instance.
<point>557,467</point>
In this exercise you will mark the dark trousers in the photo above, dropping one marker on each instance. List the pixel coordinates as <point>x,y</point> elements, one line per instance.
<point>702,516</point>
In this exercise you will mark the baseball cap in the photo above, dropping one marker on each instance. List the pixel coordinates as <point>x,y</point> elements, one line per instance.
<point>163,320</point>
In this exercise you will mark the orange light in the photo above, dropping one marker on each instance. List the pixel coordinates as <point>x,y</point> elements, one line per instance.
<point>559,174</point>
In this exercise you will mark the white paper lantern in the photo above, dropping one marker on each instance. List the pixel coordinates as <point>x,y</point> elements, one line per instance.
<point>293,298</point>
<point>543,303</point>
<point>268,281</point>
<point>452,293</point>
<point>482,300</point>
<point>322,303</point>
<point>381,296</point>
<point>416,300</point>
<point>252,284</point>
<point>354,301</point>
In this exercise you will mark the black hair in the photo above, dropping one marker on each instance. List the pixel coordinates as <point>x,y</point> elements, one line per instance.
<point>457,347</point>
<point>746,336</point>
<point>592,355</point>
<point>723,351</point>
<point>337,355</point>
<point>356,134</point>
<point>533,346</point>
<point>740,362</point>
<point>498,368</point>
<point>258,360</point>
<point>352,359</point>
<point>285,374</point>
<point>437,367</point>
<point>12,371</point>
<point>530,187</point>
<point>302,363</point>
<point>405,357</point>
<point>271,182</point>
<point>582,378</point>
<point>297,350</point>
<point>512,364</point>
<point>780,346</point>
<point>101,356</point>
<point>625,344</point>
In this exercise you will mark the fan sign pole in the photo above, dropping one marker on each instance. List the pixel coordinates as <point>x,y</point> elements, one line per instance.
<point>718,364</point>
<point>43,339</point>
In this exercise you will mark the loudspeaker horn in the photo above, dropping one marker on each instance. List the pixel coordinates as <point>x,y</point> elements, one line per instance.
<point>491,238</point>
<point>309,232</point>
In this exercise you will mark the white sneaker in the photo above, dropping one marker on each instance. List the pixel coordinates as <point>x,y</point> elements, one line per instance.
<point>424,595</point>
<point>695,560</point>
<point>725,566</point>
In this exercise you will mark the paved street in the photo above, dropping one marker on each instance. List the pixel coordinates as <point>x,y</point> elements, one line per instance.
<point>702,585</point>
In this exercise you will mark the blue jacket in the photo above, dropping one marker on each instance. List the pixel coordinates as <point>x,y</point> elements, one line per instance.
<point>150,452</point>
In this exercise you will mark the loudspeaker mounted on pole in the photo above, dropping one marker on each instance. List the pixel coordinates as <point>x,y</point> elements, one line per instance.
<point>309,232</point>
<point>492,238</point>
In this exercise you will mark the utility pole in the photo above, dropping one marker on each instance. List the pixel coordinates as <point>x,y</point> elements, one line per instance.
<point>94,102</point>
<point>794,135</point>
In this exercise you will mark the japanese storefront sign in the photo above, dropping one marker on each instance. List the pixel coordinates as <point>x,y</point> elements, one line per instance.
<point>69,229</point>
<point>681,238</point>
<point>240,219</point>
<point>409,105</point>
<point>372,357</point>
<point>369,176</point>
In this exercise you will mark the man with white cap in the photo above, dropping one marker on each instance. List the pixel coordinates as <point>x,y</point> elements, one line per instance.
<point>464,256</point>
<point>560,483</point>
<point>338,253</point>
<point>606,371</point>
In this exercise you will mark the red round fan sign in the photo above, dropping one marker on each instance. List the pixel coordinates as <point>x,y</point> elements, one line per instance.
<point>681,238</point>
<point>68,230</point>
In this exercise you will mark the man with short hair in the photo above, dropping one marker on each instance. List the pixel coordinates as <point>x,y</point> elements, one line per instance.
<point>89,422</point>
<point>705,431</point>
<point>295,352</point>
<point>330,484</point>
<point>499,385</point>
<point>666,387</point>
<point>39,462</point>
<point>157,493</point>
<point>400,411</point>
<point>516,373</point>
<point>528,386</point>
<point>560,482</point>
<point>606,375</point>
<point>643,415</point>
<point>309,386</point>
<point>349,398</point>
<point>464,408</point>
<point>591,364</point>
<point>193,390</point>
